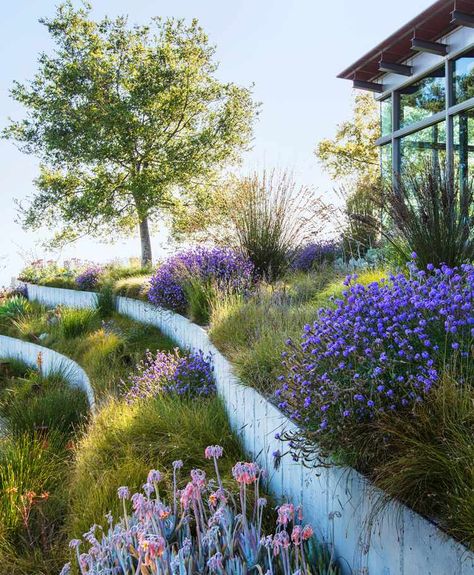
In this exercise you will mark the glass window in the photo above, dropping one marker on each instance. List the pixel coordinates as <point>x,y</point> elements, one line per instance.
<point>427,146</point>
<point>463,71</point>
<point>386,162</point>
<point>464,144</point>
<point>386,116</point>
<point>424,98</point>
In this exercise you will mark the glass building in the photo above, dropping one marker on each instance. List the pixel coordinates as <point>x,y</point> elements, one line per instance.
<point>423,77</point>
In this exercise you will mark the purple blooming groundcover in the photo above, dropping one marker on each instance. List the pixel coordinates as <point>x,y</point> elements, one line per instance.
<point>206,529</point>
<point>228,269</point>
<point>382,348</point>
<point>190,374</point>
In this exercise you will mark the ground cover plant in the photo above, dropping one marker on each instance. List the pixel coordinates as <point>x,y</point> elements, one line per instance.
<point>205,528</point>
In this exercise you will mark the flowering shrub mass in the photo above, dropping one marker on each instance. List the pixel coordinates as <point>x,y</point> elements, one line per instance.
<point>314,254</point>
<point>89,278</point>
<point>380,349</point>
<point>166,372</point>
<point>206,529</point>
<point>222,266</point>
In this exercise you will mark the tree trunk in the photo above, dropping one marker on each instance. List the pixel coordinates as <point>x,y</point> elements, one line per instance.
<point>145,241</point>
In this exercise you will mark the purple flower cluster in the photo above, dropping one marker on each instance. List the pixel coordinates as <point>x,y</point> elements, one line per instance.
<point>89,278</point>
<point>165,372</point>
<point>206,530</point>
<point>380,349</point>
<point>311,255</point>
<point>224,267</point>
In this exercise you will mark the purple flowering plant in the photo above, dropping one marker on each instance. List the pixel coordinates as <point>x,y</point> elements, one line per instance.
<point>189,374</point>
<point>225,268</point>
<point>382,348</point>
<point>206,529</point>
<point>313,254</point>
<point>88,279</point>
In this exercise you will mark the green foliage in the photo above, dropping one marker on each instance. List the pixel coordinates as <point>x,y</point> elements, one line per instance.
<point>32,473</point>
<point>426,459</point>
<point>135,286</point>
<point>76,322</point>
<point>106,304</point>
<point>353,159</point>
<point>272,217</point>
<point>125,441</point>
<point>120,116</point>
<point>39,404</point>
<point>14,306</point>
<point>429,212</point>
<point>200,294</point>
<point>252,332</point>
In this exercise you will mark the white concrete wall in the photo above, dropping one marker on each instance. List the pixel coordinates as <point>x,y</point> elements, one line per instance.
<point>11,348</point>
<point>338,502</point>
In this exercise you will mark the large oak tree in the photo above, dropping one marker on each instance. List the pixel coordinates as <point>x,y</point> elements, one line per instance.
<point>121,118</point>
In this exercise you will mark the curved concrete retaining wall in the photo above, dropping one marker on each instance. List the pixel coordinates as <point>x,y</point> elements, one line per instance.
<point>11,348</point>
<point>338,502</point>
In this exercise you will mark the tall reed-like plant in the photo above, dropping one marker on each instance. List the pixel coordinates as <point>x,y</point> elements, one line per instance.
<point>430,211</point>
<point>273,217</point>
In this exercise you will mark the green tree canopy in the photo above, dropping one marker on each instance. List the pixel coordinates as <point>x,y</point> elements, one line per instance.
<point>352,159</point>
<point>121,117</point>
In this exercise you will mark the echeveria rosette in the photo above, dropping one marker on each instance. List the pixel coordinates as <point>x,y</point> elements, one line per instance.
<point>189,374</point>
<point>226,268</point>
<point>207,529</point>
<point>381,348</point>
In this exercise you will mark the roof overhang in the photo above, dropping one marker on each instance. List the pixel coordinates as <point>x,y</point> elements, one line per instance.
<point>427,28</point>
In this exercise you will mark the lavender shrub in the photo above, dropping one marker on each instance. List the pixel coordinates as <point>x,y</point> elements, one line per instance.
<point>205,530</point>
<point>314,254</point>
<point>382,348</point>
<point>89,278</point>
<point>190,374</point>
<point>224,267</point>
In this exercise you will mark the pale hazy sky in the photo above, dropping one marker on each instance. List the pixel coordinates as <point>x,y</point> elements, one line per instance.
<point>292,50</point>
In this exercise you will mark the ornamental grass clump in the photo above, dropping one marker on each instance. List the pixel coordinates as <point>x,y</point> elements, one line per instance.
<point>224,268</point>
<point>205,529</point>
<point>380,349</point>
<point>170,372</point>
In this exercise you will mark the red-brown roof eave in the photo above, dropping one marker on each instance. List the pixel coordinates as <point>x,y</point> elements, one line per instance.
<point>431,24</point>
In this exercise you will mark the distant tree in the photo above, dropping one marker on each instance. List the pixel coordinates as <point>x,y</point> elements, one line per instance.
<point>120,118</point>
<point>352,159</point>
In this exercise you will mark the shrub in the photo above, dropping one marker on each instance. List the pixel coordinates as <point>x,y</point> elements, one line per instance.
<point>228,270</point>
<point>124,440</point>
<point>227,534</point>
<point>379,350</point>
<point>166,372</point>
<point>312,255</point>
<point>106,304</point>
<point>76,322</point>
<point>272,218</point>
<point>89,278</point>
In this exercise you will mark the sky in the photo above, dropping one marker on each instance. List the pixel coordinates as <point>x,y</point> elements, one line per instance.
<point>290,50</point>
